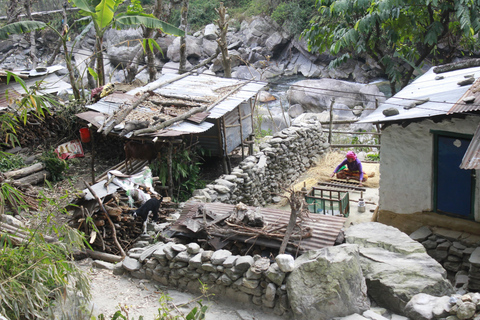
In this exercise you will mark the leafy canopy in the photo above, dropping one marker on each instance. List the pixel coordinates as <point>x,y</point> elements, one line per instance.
<point>105,14</point>
<point>397,34</point>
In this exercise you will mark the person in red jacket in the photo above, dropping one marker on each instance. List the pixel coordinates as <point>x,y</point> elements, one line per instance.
<point>350,168</point>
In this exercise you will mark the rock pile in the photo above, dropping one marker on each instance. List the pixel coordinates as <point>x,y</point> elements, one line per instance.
<point>474,272</point>
<point>281,160</point>
<point>426,307</point>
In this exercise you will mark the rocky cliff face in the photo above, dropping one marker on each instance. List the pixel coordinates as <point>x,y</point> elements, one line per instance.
<point>258,48</point>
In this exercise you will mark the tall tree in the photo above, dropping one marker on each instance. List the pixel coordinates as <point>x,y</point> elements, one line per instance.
<point>183,43</point>
<point>397,34</point>
<point>222,23</point>
<point>33,47</point>
<point>104,16</point>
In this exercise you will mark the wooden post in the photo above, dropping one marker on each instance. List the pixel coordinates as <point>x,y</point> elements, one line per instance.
<point>378,126</point>
<point>93,153</point>
<point>170,168</point>
<point>225,146</point>
<point>331,121</point>
<point>241,130</point>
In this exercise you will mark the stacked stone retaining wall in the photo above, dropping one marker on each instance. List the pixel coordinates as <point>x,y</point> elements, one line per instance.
<point>456,251</point>
<point>244,279</point>
<point>260,177</point>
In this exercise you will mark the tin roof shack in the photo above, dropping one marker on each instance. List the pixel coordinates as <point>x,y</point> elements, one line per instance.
<point>426,130</point>
<point>215,112</point>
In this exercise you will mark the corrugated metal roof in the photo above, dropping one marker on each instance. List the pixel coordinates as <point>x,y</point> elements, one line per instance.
<point>201,87</point>
<point>325,229</point>
<point>474,105</point>
<point>471,159</point>
<point>442,95</point>
<point>51,83</point>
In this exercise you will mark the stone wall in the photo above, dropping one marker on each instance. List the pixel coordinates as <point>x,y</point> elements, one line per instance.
<point>281,160</point>
<point>244,279</point>
<point>453,250</point>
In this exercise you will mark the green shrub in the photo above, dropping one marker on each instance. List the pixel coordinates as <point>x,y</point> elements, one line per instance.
<point>373,157</point>
<point>54,165</point>
<point>294,16</point>
<point>185,170</point>
<point>10,161</point>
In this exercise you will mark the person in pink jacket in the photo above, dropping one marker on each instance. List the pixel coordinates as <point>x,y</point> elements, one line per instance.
<point>350,168</point>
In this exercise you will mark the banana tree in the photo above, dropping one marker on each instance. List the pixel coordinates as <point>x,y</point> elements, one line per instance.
<point>20,27</point>
<point>104,16</point>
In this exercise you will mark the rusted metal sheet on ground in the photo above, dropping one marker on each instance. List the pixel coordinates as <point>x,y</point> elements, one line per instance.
<point>325,229</point>
<point>199,117</point>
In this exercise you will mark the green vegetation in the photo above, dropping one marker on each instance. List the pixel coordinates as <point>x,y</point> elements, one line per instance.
<point>397,35</point>
<point>185,171</point>
<point>293,16</point>
<point>106,14</point>
<point>36,274</point>
<point>54,165</point>
<point>11,161</point>
<point>373,157</point>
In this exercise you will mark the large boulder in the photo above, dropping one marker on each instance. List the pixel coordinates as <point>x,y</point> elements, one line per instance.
<point>317,95</point>
<point>396,267</point>
<point>194,50</point>
<point>327,283</point>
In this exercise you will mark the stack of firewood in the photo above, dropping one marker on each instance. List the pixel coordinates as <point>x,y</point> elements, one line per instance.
<point>110,226</point>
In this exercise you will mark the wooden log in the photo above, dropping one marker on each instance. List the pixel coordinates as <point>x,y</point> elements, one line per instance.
<point>15,174</point>
<point>124,113</point>
<point>103,256</point>
<point>35,178</point>
<point>457,65</point>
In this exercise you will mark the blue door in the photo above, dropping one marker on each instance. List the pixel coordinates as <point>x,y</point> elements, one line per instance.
<point>454,185</point>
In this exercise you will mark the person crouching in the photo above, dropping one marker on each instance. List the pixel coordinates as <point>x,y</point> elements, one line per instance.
<point>350,168</point>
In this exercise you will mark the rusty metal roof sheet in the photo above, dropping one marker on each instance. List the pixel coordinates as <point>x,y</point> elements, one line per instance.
<point>325,229</point>
<point>471,159</point>
<point>462,106</point>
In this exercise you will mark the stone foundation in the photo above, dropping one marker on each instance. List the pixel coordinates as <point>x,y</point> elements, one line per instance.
<point>245,279</point>
<point>453,250</point>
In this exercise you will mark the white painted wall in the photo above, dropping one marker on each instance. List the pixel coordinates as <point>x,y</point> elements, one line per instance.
<point>406,164</point>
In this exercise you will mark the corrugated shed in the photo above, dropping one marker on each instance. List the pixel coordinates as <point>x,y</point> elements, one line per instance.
<point>473,103</point>
<point>442,94</point>
<point>471,159</point>
<point>325,229</point>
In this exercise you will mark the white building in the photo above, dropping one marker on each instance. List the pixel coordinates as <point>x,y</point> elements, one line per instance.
<point>423,179</point>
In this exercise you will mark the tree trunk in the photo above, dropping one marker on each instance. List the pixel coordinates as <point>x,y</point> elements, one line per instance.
<point>35,178</point>
<point>12,11</point>
<point>33,47</point>
<point>24,171</point>
<point>183,44</point>
<point>99,56</point>
<point>63,33</point>
<point>296,201</point>
<point>222,40</point>
<point>71,72</point>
